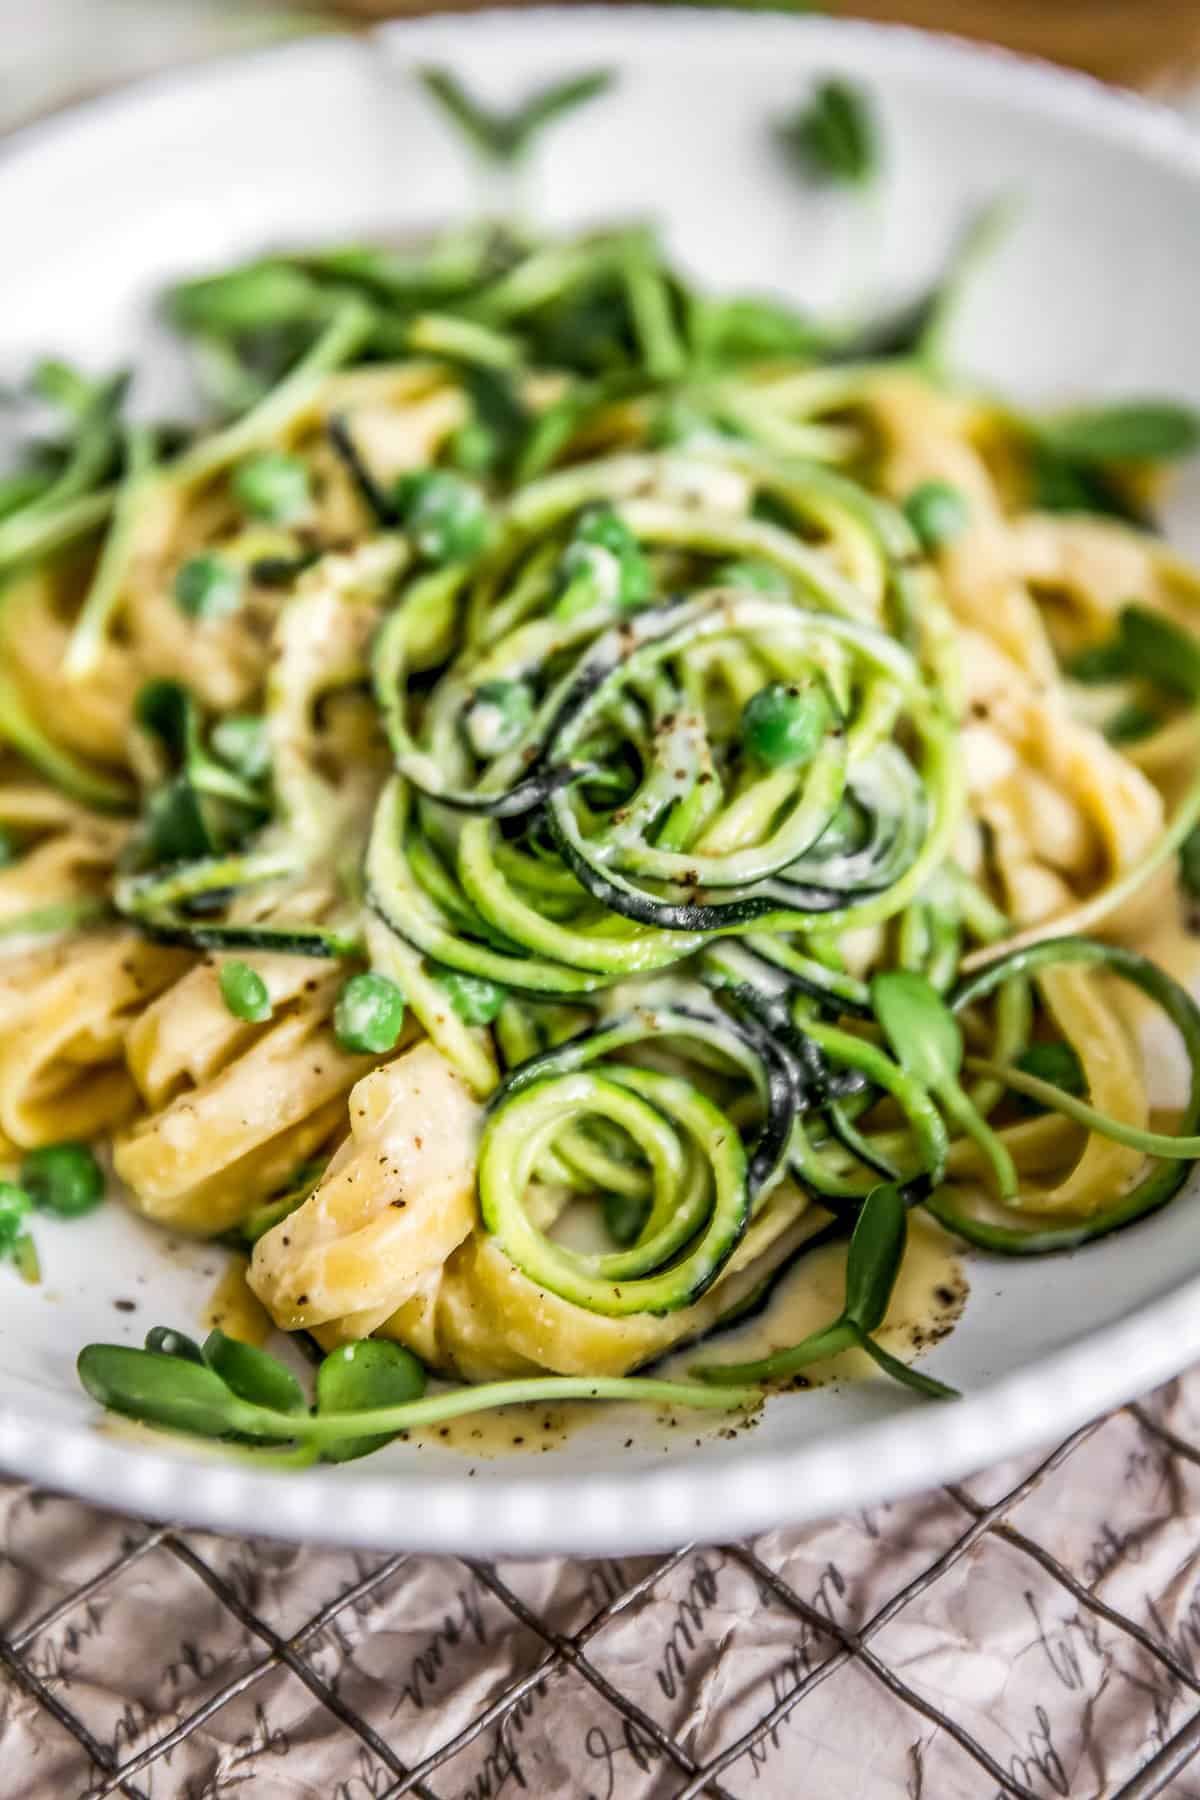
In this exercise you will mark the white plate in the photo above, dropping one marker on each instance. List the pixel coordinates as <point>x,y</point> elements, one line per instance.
<point>1094,293</point>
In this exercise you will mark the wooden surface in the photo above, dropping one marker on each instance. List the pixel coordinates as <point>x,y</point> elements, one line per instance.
<point>1143,43</point>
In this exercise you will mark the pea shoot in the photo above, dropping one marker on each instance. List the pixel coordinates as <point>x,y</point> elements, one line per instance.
<point>208,587</point>
<point>369,1014</point>
<point>937,512</point>
<point>498,717</point>
<point>506,136</point>
<point>445,515</point>
<point>475,1000</point>
<point>367,1392</point>
<point>64,1179</point>
<point>8,848</point>
<point>244,992</point>
<point>274,486</point>
<point>872,1264</point>
<point>925,1039</point>
<point>834,136</point>
<point>783,725</point>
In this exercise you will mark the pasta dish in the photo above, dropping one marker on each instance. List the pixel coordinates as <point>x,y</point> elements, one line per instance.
<point>578,794</point>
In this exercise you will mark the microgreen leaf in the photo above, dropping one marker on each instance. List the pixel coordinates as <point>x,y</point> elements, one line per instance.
<point>160,1390</point>
<point>505,136</point>
<point>872,1264</point>
<point>874,1257</point>
<point>834,135</point>
<point>169,1342</point>
<point>919,1026</point>
<point>1160,652</point>
<point>362,1377</point>
<point>253,1374</point>
<point>1063,486</point>
<point>927,1043</point>
<point>1130,431</point>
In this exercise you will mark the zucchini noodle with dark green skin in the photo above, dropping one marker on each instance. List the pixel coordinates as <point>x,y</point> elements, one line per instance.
<point>605,792</point>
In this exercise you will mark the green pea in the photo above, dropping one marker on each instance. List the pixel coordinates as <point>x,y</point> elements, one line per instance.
<point>208,587</point>
<point>937,513</point>
<point>474,447</point>
<point>369,1014</point>
<point>1055,1062</point>
<point>756,573</point>
<point>241,742</point>
<point>445,515</point>
<point>63,1178</point>
<point>498,716</point>
<point>603,565</point>
<point>476,1000</point>
<point>361,1377</point>
<point>244,992</point>
<point>783,725</point>
<point>273,486</point>
<point>15,1208</point>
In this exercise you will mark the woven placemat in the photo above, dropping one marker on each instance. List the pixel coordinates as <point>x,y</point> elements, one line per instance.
<point>1031,1632</point>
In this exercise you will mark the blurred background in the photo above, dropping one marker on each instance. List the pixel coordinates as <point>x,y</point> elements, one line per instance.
<point>52,51</point>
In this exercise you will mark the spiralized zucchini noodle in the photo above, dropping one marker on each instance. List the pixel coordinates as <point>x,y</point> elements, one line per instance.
<point>527,827</point>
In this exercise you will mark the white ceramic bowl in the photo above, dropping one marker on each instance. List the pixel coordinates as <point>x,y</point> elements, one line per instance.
<point>1094,293</point>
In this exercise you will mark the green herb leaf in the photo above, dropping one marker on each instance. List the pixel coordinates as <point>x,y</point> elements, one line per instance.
<point>169,1342</point>
<point>1132,431</point>
<point>920,1028</point>
<point>506,136</point>
<point>253,1375</point>
<point>921,326</point>
<point>362,1377</point>
<point>1063,486</point>
<point>874,1257</point>
<point>927,1043</point>
<point>834,135</point>
<point>1160,652</point>
<point>160,1390</point>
